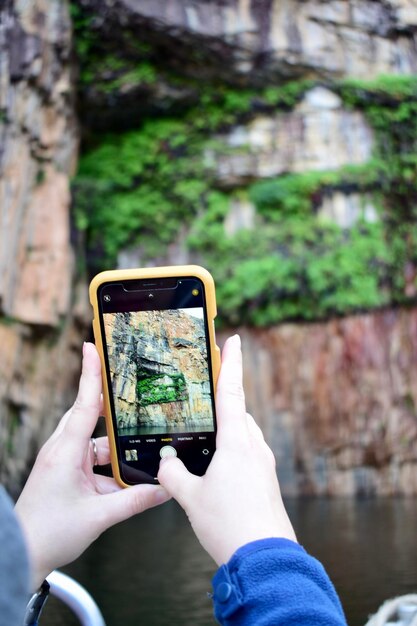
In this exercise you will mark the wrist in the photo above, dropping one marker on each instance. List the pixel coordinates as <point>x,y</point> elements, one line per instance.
<point>39,569</point>
<point>223,551</point>
<point>38,575</point>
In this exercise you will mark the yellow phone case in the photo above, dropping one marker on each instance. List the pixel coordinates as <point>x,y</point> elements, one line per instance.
<point>151,273</point>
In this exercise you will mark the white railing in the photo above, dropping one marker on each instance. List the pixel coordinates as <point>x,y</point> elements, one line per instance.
<point>76,598</point>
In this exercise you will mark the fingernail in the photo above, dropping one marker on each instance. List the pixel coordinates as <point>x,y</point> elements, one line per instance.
<point>84,346</point>
<point>236,339</point>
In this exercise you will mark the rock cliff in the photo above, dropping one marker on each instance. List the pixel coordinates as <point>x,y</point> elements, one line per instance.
<point>273,141</point>
<point>276,145</point>
<point>300,180</point>
<point>40,315</point>
<point>253,40</point>
<point>158,365</point>
<point>337,402</point>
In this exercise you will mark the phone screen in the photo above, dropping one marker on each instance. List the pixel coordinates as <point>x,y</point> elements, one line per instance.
<point>159,374</point>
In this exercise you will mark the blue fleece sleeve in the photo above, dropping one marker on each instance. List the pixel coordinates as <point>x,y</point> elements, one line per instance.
<point>274,582</point>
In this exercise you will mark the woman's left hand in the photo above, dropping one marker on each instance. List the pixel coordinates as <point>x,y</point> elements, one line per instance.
<point>64,505</point>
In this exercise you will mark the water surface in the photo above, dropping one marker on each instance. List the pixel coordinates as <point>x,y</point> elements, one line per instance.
<point>152,571</point>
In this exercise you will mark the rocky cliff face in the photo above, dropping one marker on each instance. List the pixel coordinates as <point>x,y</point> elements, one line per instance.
<point>302,180</point>
<point>159,371</point>
<point>39,331</point>
<point>257,137</point>
<point>254,39</point>
<point>276,145</point>
<point>337,402</point>
<point>320,133</point>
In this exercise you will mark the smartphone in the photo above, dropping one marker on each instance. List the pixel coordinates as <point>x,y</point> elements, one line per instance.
<point>154,330</point>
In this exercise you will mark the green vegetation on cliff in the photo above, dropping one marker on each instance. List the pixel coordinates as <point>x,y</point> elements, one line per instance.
<point>156,184</point>
<point>302,269</point>
<point>160,388</point>
<point>140,187</point>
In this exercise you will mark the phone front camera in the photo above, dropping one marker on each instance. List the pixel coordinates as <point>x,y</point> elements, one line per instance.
<point>106,298</point>
<point>150,295</point>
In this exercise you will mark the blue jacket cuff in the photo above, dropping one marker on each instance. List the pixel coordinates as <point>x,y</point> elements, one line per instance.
<point>275,581</point>
<point>228,595</point>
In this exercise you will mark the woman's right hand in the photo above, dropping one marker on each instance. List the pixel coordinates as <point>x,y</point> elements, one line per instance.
<point>238,500</point>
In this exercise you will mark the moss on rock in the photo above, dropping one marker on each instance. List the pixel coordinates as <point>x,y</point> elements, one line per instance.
<point>141,188</point>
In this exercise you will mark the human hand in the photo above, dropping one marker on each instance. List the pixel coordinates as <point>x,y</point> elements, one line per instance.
<point>238,500</point>
<point>64,506</point>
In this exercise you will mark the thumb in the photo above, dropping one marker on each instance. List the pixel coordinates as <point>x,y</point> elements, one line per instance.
<point>177,480</point>
<point>120,505</point>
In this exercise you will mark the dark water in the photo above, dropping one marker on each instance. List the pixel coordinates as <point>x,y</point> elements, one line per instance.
<point>180,428</point>
<point>152,571</point>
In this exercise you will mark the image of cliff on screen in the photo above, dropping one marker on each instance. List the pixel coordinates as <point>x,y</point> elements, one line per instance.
<point>159,371</point>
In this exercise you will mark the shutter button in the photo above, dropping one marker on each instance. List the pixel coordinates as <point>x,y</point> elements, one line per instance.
<point>167,451</point>
<point>223,592</point>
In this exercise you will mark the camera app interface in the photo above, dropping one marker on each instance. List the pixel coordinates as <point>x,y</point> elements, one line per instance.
<point>162,393</point>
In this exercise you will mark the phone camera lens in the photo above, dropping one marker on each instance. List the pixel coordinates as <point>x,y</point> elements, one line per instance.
<point>151,295</point>
<point>106,298</point>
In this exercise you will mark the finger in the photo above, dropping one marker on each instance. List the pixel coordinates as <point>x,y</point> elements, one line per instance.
<point>120,505</point>
<point>84,414</point>
<point>177,480</point>
<point>230,397</point>
<point>60,427</point>
<point>102,451</point>
<point>105,484</point>
<point>254,429</point>
<point>258,437</point>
